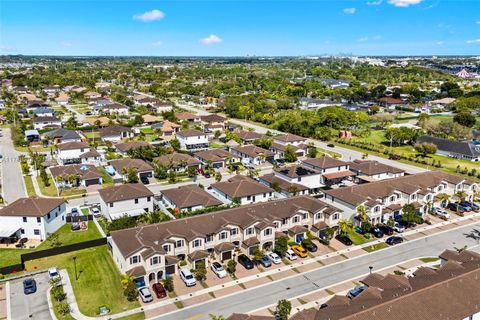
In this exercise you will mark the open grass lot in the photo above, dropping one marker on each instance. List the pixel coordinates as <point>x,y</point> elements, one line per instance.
<point>29,186</point>
<point>34,149</point>
<point>10,256</point>
<point>51,190</point>
<point>98,281</point>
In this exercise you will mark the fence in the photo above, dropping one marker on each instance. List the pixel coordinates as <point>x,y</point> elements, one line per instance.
<point>79,218</point>
<point>51,252</point>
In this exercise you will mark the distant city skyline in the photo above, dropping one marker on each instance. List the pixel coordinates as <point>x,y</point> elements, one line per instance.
<point>240,28</point>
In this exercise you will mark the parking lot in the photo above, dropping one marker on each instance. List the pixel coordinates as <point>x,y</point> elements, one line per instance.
<point>32,306</point>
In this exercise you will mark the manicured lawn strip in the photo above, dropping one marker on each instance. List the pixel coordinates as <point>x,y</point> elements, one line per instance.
<point>57,314</point>
<point>375,247</point>
<point>99,281</point>
<point>50,191</point>
<point>215,145</point>
<point>136,316</point>
<point>85,211</point>
<point>34,149</point>
<point>429,259</point>
<point>29,186</point>
<point>146,130</point>
<point>357,238</point>
<point>10,256</point>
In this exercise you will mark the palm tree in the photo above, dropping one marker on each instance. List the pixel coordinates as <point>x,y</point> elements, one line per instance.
<point>362,213</point>
<point>444,199</point>
<point>126,280</point>
<point>345,225</point>
<point>461,195</point>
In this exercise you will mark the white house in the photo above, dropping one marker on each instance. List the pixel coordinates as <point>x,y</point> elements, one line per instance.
<point>128,199</point>
<point>192,140</point>
<point>32,218</point>
<point>251,154</point>
<point>115,133</point>
<point>76,152</point>
<point>242,189</point>
<point>46,122</point>
<point>301,175</point>
<point>332,170</point>
<point>115,108</point>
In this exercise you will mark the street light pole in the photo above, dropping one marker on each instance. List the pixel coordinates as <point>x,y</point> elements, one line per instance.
<point>75,267</point>
<point>371,268</point>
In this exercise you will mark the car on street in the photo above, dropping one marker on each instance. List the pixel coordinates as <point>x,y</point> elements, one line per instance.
<point>393,240</point>
<point>187,277</point>
<point>331,145</point>
<point>299,251</point>
<point>443,214</point>
<point>376,232</point>
<point>386,229</point>
<point>245,261</point>
<point>455,207</point>
<point>394,157</point>
<point>218,269</point>
<point>356,291</point>
<point>275,258</point>
<point>159,290</point>
<point>29,286</point>
<point>53,273</point>
<point>344,239</point>
<point>398,227</point>
<point>290,255</point>
<point>266,262</point>
<point>145,294</point>
<point>144,180</point>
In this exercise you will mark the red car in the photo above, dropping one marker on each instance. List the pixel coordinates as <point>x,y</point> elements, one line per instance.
<point>159,290</point>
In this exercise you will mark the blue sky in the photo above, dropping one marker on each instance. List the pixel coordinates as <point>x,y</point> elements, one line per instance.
<point>239,28</point>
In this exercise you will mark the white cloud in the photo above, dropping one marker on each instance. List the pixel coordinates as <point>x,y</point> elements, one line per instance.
<point>374,3</point>
<point>478,22</point>
<point>404,3</point>
<point>149,16</point>
<point>211,39</point>
<point>67,44</point>
<point>6,48</point>
<point>363,39</point>
<point>440,43</point>
<point>473,41</point>
<point>157,44</point>
<point>377,37</point>
<point>350,10</point>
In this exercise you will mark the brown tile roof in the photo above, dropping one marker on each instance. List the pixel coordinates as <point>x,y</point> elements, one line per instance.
<point>371,167</point>
<point>241,186</point>
<point>190,133</point>
<point>132,240</point>
<point>122,165</point>
<point>86,172</point>
<point>338,174</point>
<point>137,271</point>
<point>253,151</point>
<point>199,254</point>
<point>324,162</point>
<point>289,138</point>
<point>296,171</point>
<point>251,241</point>
<point>463,256</point>
<point>248,135</point>
<point>127,146</point>
<point>31,207</point>
<point>176,160</point>
<point>113,130</point>
<point>92,153</point>
<point>214,155</point>
<point>185,116</point>
<point>46,119</point>
<point>284,185</point>
<point>124,192</point>
<point>190,196</point>
<point>212,118</point>
<point>380,189</point>
<point>224,246</point>
<point>72,145</point>
<point>243,316</point>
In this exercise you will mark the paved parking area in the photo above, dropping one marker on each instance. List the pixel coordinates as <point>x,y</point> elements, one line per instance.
<point>32,306</point>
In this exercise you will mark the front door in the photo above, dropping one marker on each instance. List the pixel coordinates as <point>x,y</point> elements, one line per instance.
<point>227,255</point>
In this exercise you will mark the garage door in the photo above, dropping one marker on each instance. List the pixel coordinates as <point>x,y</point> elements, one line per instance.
<point>170,269</point>
<point>91,182</point>
<point>227,255</point>
<point>146,174</point>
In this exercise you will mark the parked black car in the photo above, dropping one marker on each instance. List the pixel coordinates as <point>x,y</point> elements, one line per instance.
<point>344,239</point>
<point>455,207</point>
<point>394,240</point>
<point>144,180</point>
<point>473,205</point>
<point>29,286</point>
<point>376,232</point>
<point>245,261</point>
<point>312,247</point>
<point>386,229</point>
<point>331,145</point>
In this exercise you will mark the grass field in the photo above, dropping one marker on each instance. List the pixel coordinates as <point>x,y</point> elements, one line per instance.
<point>10,256</point>
<point>91,135</point>
<point>29,186</point>
<point>106,178</point>
<point>51,190</point>
<point>357,238</point>
<point>98,281</point>
<point>146,130</point>
<point>34,149</point>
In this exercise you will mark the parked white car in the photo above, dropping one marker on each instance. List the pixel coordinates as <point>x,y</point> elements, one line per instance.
<point>443,213</point>
<point>53,273</point>
<point>145,294</point>
<point>291,255</point>
<point>398,228</point>
<point>275,258</point>
<point>218,270</point>
<point>187,277</point>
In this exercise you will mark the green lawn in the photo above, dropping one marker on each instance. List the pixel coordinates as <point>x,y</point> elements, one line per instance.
<point>136,316</point>
<point>357,238</point>
<point>375,247</point>
<point>98,281</point>
<point>51,190</point>
<point>91,135</point>
<point>55,303</point>
<point>10,256</point>
<point>85,211</point>
<point>146,130</point>
<point>34,149</point>
<point>29,186</point>
<point>106,178</point>
<point>215,145</point>
<point>429,259</point>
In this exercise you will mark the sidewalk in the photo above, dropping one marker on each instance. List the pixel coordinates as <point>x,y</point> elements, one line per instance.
<point>290,270</point>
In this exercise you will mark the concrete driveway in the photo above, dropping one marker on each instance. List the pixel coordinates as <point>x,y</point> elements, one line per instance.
<point>32,306</point>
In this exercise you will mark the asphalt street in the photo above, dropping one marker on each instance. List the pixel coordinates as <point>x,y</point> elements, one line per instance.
<point>32,306</point>
<point>303,283</point>
<point>12,180</point>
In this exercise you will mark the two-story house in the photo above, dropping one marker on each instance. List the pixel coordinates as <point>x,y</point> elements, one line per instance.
<point>252,155</point>
<point>131,199</point>
<point>140,166</point>
<point>333,170</point>
<point>216,158</point>
<point>243,190</point>
<point>192,140</point>
<point>281,142</point>
<point>76,152</point>
<point>40,123</point>
<point>150,252</point>
<point>189,198</point>
<point>32,218</point>
<point>371,170</point>
<point>213,122</point>
<point>295,176</point>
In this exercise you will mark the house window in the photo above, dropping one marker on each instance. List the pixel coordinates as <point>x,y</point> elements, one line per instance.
<point>154,260</point>
<point>233,231</point>
<point>179,244</point>
<point>148,199</point>
<point>249,197</point>
<point>276,224</point>
<point>111,204</point>
<point>136,201</point>
<point>377,208</point>
<point>36,232</point>
<point>39,219</point>
<point>22,231</point>
<point>299,179</point>
<point>284,221</point>
<point>267,232</point>
<point>209,238</point>
<point>414,196</point>
<point>24,219</point>
<point>197,243</point>
<point>166,247</point>
<point>249,231</point>
<point>223,235</point>
<point>48,216</point>
<point>336,216</point>
<point>304,216</point>
<point>296,219</point>
<point>318,215</point>
<point>392,198</point>
<point>134,260</point>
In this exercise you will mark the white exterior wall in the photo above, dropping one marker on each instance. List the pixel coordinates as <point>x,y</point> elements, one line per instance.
<point>311,182</point>
<point>184,141</point>
<point>41,125</point>
<point>64,155</point>
<point>262,197</point>
<point>128,207</point>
